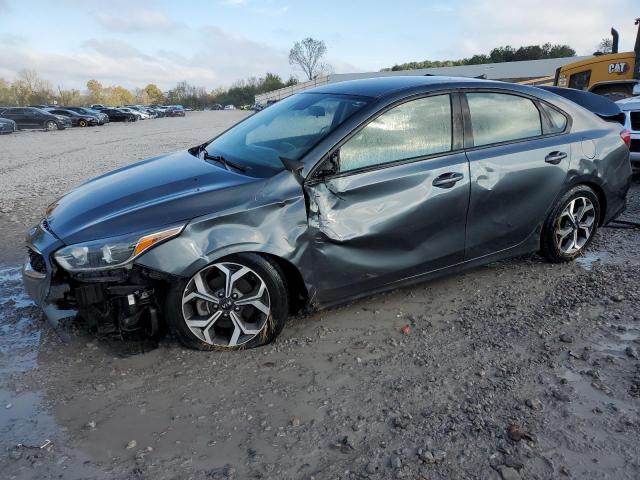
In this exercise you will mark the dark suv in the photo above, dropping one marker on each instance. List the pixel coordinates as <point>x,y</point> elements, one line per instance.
<point>29,117</point>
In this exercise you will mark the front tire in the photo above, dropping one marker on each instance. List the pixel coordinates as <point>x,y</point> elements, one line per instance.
<point>50,125</point>
<point>83,123</point>
<point>237,302</point>
<point>571,225</point>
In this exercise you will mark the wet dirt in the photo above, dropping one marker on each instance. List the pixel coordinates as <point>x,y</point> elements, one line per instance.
<point>421,382</point>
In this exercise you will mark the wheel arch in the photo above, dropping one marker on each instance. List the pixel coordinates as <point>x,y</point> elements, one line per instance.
<point>299,286</point>
<point>596,185</point>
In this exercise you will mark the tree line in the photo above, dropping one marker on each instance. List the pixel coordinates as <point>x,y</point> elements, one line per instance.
<point>30,88</point>
<point>497,55</point>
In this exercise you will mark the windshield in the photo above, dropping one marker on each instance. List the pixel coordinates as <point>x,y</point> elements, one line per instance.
<point>289,128</point>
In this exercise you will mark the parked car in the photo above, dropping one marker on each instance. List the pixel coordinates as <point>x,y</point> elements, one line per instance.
<point>98,106</point>
<point>229,107</point>
<point>77,119</point>
<point>101,116</point>
<point>7,126</point>
<point>216,106</point>
<point>174,112</point>
<point>29,117</point>
<point>330,195</point>
<point>138,115</point>
<point>159,112</point>
<point>117,115</point>
<point>631,109</point>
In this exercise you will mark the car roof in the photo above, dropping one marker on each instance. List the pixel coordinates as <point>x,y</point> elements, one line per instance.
<point>383,86</point>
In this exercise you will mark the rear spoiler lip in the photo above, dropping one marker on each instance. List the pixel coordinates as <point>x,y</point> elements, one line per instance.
<point>596,104</point>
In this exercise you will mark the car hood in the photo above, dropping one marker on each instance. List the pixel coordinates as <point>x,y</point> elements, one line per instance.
<point>153,193</point>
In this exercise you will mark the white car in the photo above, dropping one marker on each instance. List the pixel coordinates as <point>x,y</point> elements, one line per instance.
<point>140,115</point>
<point>631,109</point>
<point>229,107</point>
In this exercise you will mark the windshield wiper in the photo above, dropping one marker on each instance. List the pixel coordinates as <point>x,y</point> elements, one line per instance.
<point>228,164</point>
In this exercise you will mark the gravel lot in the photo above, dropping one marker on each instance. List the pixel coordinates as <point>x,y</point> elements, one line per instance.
<point>520,369</point>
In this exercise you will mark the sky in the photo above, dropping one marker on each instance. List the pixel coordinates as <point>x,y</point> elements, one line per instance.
<point>217,42</point>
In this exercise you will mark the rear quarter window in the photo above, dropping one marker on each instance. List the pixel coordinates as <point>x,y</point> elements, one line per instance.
<point>557,119</point>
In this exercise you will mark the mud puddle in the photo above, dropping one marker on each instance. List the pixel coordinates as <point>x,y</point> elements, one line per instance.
<point>22,418</point>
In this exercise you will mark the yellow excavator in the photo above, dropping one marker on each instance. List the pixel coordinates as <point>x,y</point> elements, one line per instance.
<point>613,75</point>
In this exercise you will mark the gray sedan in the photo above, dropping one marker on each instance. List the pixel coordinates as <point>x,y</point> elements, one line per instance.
<point>327,196</point>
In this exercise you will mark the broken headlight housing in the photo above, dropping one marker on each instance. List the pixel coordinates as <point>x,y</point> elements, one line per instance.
<point>111,252</point>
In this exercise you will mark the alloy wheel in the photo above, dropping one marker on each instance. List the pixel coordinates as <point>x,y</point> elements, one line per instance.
<point>575,225</point>
<point>51,125</point>
<point>226,304</point>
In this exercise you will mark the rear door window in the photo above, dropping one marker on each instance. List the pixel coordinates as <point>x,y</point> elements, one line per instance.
<point>500,117</point>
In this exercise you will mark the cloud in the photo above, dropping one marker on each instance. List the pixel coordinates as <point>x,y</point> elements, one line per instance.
<point>218,58</point>
<point>11,39</point>
<point>116,49</point>
<point>136,21</point>
<point>579,23</point>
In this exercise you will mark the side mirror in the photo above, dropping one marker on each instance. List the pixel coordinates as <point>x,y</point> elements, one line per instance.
<point>636,89</point>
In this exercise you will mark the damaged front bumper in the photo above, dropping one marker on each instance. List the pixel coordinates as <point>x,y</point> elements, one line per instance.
<point>113,301</point>
<point>37,273</point>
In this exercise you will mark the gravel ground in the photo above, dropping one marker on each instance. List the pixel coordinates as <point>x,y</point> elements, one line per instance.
<point>517,370</point>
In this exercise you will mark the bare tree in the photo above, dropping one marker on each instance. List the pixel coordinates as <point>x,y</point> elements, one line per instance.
<point>307,54</point>
<point>606,45</point>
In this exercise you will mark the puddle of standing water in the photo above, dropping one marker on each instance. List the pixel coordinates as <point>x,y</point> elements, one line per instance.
<point>588,259</point>
<point>22,419</point>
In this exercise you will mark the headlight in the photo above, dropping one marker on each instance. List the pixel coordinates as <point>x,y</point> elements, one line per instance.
<point>111,252</point>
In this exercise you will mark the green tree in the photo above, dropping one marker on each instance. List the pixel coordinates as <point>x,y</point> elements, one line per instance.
<point>497,55</point>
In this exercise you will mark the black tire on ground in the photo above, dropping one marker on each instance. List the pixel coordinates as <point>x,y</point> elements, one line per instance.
<point>83,123</point>
<point>50,125</point>
<point>549,247</point>
<point>275,282</point>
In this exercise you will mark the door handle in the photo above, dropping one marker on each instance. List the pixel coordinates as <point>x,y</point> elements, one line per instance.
<point>447,180</point>
<point>555,158</point>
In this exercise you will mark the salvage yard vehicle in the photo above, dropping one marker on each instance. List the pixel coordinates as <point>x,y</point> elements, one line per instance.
<point>102,117</point>
<point>174,112</point>
<point>77,119</point>
<point>117,115</point>
<point>327,196</point>
<point>7,126</point>
<point>136,113</point>
<point>631,109</point>
<point>29,117</point>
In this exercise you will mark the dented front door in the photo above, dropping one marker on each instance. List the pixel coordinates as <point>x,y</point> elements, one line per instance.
<point>377,227</point>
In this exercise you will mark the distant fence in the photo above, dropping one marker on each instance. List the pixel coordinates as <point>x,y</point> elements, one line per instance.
<point>285,92</point>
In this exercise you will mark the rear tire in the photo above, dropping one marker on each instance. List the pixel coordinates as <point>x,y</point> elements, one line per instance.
<point>234,303</point>
<point>571,225</point>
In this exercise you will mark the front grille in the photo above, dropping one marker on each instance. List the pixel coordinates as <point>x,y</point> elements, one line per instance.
<point>635,120</point>
<point>635,145</point>
<point>37,261</point>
